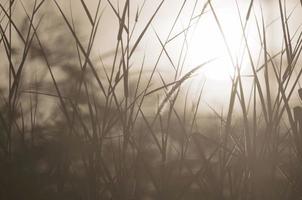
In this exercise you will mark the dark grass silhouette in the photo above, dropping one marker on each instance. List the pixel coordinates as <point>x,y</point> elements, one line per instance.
<point>90,135</point>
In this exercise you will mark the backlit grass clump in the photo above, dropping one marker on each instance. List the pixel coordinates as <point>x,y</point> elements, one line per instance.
<point>73,126</point>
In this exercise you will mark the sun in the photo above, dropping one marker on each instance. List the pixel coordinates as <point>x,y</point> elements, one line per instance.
<point>206,43</point>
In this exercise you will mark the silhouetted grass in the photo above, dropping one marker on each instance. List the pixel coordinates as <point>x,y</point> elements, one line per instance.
<point>92,132</point>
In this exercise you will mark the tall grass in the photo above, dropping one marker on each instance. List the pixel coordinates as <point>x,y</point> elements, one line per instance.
<point>90,134</point>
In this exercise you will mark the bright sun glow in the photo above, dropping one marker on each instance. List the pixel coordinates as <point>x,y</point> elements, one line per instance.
<point>207,43</point>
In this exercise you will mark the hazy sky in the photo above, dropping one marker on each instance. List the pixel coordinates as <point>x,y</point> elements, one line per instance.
<point>204,40</point>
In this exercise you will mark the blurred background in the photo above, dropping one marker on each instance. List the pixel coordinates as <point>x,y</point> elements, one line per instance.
<point>150,99</point>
